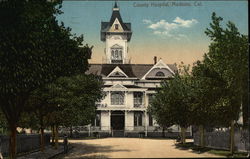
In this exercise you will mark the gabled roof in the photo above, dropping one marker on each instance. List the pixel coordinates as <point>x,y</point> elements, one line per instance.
<point>117,72</point>
<point>126,68</point>
<point>116,14</point>
<point>118,86</point>
<point>131,70</point>
<point>160,64</point>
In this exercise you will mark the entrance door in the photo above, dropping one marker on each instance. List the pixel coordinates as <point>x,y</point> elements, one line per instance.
<point>117,120</point>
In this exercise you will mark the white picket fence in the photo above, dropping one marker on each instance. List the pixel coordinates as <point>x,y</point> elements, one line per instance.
<point>221,140</point>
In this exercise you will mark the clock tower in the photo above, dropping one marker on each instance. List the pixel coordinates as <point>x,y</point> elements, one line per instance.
<point>116,34</point>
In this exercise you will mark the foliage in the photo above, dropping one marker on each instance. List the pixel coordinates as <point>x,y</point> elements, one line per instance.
<point>77,96</point>
<point>221,78</point>
<point>68,101</point>
<point>35,50</point>
<point>171,104</point>
<point>3,122</point>
<point>228,57</point>
<point>159,109</point>
<point>207,88</point>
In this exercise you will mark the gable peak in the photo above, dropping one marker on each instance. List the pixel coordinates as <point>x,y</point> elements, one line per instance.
<point>117,72</point>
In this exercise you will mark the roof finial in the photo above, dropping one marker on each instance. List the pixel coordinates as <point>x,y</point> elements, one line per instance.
<point>115,6</point>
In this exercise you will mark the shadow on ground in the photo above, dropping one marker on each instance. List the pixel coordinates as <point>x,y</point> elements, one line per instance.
<point>190,145</point>
<point>82,150</point>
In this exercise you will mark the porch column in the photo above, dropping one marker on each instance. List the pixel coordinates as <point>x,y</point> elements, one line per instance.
<point>125,122</point>
<point>146,123</point>
<point>109,100</point>
<point>89,127</point>
<point>110,131</point>
<point>145,99</point>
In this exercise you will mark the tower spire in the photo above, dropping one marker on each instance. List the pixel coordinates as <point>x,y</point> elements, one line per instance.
<point>115,6</point>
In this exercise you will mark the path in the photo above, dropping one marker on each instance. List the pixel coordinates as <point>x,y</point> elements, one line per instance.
<point>129,148</point>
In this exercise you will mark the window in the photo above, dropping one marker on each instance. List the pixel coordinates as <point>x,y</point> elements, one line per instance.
<point>117,98</point>
<point>137,99</point>
<point>159,74</point>
<point>150,120</point>
<point>137,118</point>
<point>116,55</point>
<point>116,26</point>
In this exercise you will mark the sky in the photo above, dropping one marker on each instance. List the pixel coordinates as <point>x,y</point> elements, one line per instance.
<point>170,30</point>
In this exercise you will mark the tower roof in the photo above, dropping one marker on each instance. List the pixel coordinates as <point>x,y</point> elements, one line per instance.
<point>105,26</point>
<point>116,14</point>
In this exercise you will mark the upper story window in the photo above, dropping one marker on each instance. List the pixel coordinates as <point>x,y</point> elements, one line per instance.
<point>160,74</point>
<point>116,26</point>
<point>117,98</point>
<point>138,99</point>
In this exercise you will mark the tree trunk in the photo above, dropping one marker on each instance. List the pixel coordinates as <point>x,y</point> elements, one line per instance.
<point>232,138</point>
<point>56,137</point>
<point>42,140</point>
<point>183,135</point>
<point>52,135</point>
<point>42,135</point>
<point>163,131</point>
<point>202,139</point>
<point>12,142</point>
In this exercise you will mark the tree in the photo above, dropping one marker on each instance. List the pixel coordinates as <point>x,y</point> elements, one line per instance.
<point>76,96</point>
<point>35,50</point>
<point>160,110</point>
<point>206,90</point>
<point>79,94</point>
<point>228,57</point>
<point>174,101</point>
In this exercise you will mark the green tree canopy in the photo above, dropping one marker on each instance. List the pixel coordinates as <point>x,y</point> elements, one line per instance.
<point>77,96</point>
<point>35,50</point>
<point>222,78</point>
<point>171,104</point>
<point>228,57</point>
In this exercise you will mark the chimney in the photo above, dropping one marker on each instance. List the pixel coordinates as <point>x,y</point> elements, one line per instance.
<point>155,59</point>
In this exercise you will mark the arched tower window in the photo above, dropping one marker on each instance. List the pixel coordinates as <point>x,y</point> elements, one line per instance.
<point>116,54</point>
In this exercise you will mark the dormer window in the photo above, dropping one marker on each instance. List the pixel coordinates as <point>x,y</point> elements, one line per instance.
<point>160,74</point>
<point>116,26</point>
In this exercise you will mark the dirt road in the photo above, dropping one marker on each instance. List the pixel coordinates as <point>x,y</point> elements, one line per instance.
<point>129,148</point>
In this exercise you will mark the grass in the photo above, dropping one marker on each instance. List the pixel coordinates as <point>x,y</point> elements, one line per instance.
<point>220,152</point>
